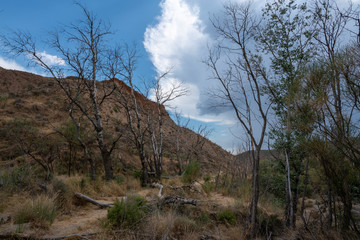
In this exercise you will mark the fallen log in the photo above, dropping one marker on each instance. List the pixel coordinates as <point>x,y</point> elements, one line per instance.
<point>175,199</point>
<point>90,200</point>
<point>160,187</point>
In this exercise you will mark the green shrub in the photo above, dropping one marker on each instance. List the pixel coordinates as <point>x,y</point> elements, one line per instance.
<point>204,218</point>
<point>137,174</point>
<point>127,212</point>
<point>192,171</point>
<point>119,179</point>
<point>17,178</point>
<point>3,100</point>
<point>226,216</point>
<point>208,187</point>
<point>41,212</point>
<point>207,178</point>
<point>269,223</point>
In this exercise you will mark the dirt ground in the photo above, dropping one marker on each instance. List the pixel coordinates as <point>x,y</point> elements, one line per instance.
<point>90,218</point>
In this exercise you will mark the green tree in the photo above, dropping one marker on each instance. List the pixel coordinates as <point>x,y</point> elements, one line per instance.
<point>287,39</point>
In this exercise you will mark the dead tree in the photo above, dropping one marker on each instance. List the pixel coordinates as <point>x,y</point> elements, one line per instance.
<point>156,120</point>
<point>133,103</point>
<point>84,60</point>
<point>235,69</point>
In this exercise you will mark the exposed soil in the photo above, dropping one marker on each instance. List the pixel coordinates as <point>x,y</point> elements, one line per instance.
<point>90,218</point>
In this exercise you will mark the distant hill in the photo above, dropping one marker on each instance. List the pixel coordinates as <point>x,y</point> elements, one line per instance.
<point>39,101</point>
<point>264,155</point>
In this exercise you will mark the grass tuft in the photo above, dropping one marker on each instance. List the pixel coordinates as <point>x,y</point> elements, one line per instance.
<point>40,212</point>
<point>192,171</point>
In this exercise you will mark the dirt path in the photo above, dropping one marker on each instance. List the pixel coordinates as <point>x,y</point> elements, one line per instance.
<point>90,218</point>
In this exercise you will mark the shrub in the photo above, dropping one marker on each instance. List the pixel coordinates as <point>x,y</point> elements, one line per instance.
<point>127,212</point>
<point>204,218</point>
<point>207,178</point>
<point>17,178</point>
<point>3,100</point>
<point>41,212</point>
<point>226,216</point>
<point>269,223</point>
<point>208,187</point>
<point>137,174</point>
<point>183,224</point>
<point>192,171</point>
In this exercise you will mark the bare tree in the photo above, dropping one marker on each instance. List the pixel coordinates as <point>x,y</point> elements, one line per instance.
<point>176,138</point>
<point>84,59</point>
<point>156,121</point>
<point>133,104</point>
<point>240,83</point>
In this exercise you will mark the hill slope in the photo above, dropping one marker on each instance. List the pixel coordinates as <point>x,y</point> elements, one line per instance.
<point>36,101</point>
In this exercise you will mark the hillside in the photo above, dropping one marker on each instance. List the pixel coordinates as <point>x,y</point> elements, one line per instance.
<point>36,99</point>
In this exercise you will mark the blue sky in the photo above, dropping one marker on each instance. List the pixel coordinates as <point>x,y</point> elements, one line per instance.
<point>128,19</point>
<point>170,34</point>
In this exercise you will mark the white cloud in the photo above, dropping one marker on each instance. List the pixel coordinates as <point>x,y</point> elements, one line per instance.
<point>179,42</point>
<point>51,60</point>
<point>179,32</point>
<point>10,64</point>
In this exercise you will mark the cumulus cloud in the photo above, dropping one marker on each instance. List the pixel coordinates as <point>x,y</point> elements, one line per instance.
<point>51,60</point>
<point>179,42</point>
<point>10,64</point>
<point>179,29</point>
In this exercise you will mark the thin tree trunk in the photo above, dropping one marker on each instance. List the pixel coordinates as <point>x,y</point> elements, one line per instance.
<point>295,197</point>
<point>289,207</point>
<point>255,194</point>
<point>330,217</point>
<point>144,175</point>
<point>306,182</point>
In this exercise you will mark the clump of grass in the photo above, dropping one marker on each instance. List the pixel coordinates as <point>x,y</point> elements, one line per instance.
<point>127,212</point>
<point>192,171</point>
<point>64,196</point>
<point>204,219</point>
<point>183,224</point>
<point>226,216</point>
<point>40,212</point>
<point>208,187</point>
<point>101,187</point>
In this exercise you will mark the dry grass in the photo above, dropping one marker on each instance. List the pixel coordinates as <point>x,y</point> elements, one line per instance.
<point>39,211</point>
<point>101,188</point>
<point>162,225</point>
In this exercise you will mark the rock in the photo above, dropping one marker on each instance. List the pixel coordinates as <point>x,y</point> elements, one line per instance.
<point>4,219</point>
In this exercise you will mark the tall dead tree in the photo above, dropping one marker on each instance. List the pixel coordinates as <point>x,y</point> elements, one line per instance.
<point>81,47</point>
<point>235,68</point>
<point>162,97</point>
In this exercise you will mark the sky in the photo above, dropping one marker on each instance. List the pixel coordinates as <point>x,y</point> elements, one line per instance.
<point>170,35</point>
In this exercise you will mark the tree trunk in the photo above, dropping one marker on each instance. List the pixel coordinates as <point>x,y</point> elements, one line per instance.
<point>347,208</point>
<point>289,199</point>
<point>330,217</point>
<point>107,165</point>
<point>295,197</point>
<point>92,168</point>
<point>144,175</point>
<point>255,194</point>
